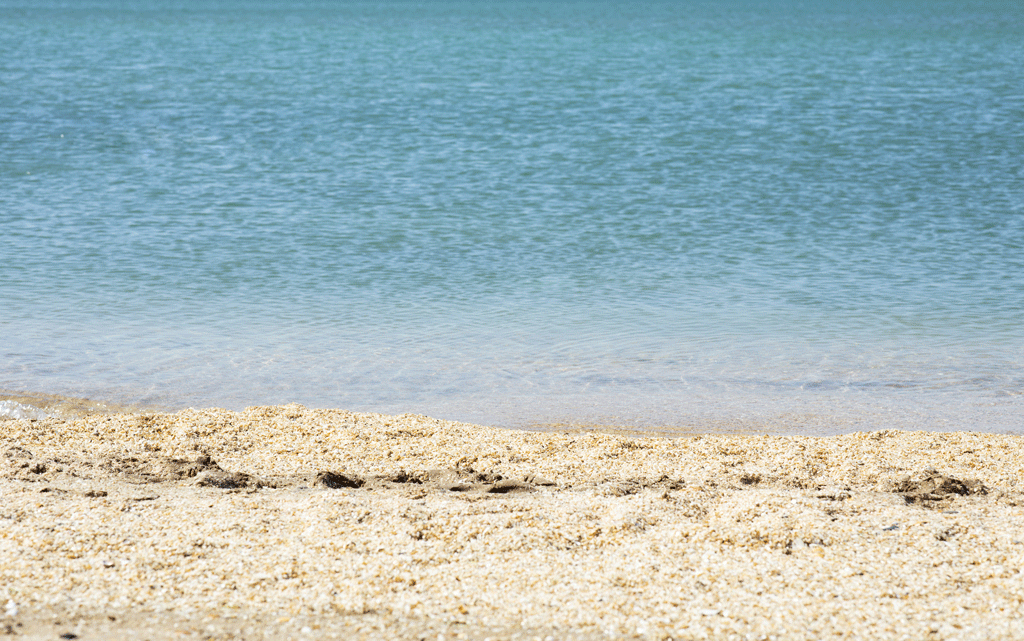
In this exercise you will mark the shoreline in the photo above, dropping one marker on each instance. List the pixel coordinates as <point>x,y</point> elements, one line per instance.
<point>282,522</point>
<point>823,418</point>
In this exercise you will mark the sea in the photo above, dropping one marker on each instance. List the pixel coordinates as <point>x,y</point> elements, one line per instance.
<point>663,216</point>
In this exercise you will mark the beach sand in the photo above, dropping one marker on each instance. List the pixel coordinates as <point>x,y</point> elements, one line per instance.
<point>288,523</point>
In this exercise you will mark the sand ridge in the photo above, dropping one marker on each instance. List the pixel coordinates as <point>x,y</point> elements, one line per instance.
<point>284,522</point>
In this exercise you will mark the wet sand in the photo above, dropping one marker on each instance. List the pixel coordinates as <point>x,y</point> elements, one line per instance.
<point>288,523</point>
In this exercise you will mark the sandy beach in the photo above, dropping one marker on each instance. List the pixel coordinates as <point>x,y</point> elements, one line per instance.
<point>289,523</point>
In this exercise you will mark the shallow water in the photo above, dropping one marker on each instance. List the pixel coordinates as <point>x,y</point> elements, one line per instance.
<point>713,215</point>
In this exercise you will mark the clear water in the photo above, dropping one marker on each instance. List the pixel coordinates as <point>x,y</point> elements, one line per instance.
<point>796,216</point>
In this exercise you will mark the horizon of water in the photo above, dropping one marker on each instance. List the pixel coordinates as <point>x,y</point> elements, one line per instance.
<point>796,217</point>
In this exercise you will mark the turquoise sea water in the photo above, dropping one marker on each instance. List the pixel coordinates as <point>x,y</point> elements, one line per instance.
<point>798,216</point>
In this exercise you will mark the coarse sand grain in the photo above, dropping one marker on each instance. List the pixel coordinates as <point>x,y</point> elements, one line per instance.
<point>290,523</point>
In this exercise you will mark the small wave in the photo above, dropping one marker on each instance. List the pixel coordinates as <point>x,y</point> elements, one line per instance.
<point>15,410</point>
<point>35,406</point>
